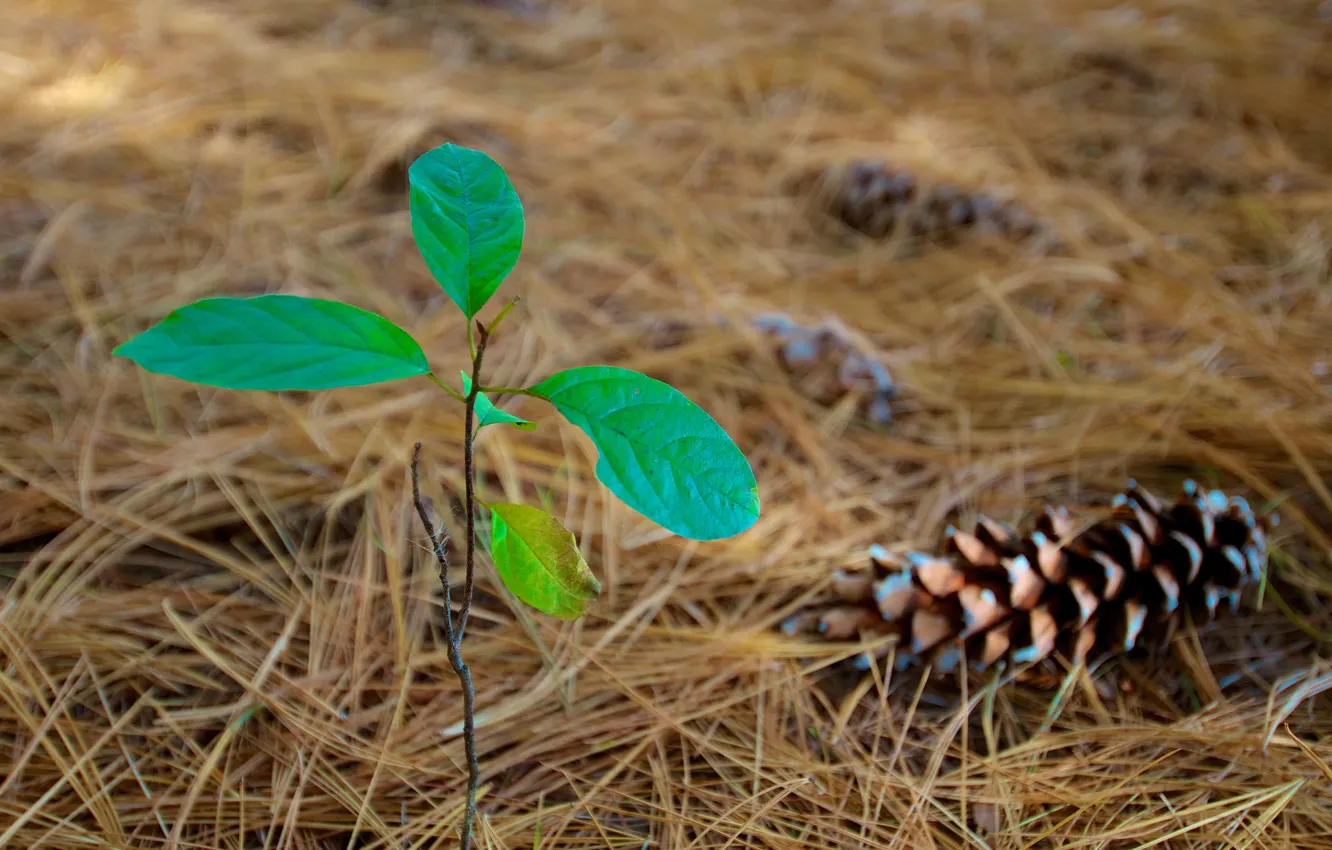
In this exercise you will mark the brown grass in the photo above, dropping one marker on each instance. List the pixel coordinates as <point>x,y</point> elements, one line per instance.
<point>219,626</point>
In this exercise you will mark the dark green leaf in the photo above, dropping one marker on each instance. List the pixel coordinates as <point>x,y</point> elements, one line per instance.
<point>276,342</point>
<point>488,414</point>
<point>538,560</point>
<point>660,452</point>
<point>467,221</point>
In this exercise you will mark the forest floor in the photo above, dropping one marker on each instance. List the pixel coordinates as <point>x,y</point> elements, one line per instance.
<point>219,625</point>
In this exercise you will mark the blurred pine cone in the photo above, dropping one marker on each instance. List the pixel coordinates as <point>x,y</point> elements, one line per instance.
<point>827,365</point>
<point>824,361</point>
<point>875,200</point>
<point>1085,592</point>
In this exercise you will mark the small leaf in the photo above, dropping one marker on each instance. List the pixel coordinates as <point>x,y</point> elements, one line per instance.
<point>467,221</point>
<point>660,453</point>
<point>488,414</point>
<point>276,342</point>
<point>538,560</point>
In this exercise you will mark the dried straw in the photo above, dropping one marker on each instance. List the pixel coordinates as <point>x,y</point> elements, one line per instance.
<point>220,626</point>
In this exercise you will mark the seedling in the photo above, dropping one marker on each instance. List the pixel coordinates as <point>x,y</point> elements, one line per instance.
<point>658,452</point>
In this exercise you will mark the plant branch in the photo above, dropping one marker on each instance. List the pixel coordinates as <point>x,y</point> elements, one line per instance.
<point>510,391</point>
<point>448,389</point>
<point>454,632</point>
<point>495,322</point>
<point>437,541</point>
<point>469,741</point>
<point>469,475</point>
<point>454,635</point>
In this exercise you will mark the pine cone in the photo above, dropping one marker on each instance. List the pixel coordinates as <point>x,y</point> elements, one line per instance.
<point>1085,592</point>
<point>824,361</point>
<point>873,199</point>
<point>870,198</point>
<point>827,365</point>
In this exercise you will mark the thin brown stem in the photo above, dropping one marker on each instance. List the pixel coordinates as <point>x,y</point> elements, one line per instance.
<point>454,635</point>
<point>454,632</point>
<point>469,475</point>
<point>437,543</point>
<point>469,741</point>
<point>455,647</point>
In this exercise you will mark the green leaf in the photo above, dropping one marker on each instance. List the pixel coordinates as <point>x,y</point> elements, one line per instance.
<point>488,414</point>
<point>538,559</point>
<point>660,453</point>
<point>276,342</point>
<point>467,221</point>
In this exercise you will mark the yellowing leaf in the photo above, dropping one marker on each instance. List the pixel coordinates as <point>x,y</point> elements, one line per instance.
<point>538,560</point>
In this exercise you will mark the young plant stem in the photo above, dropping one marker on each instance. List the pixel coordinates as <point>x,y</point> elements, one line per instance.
<point>469,474</point>
<point>446,388</point>
<point>453,633</point>
<point>438,540</point>
<point>454,639</point>
<point>510,391</point>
